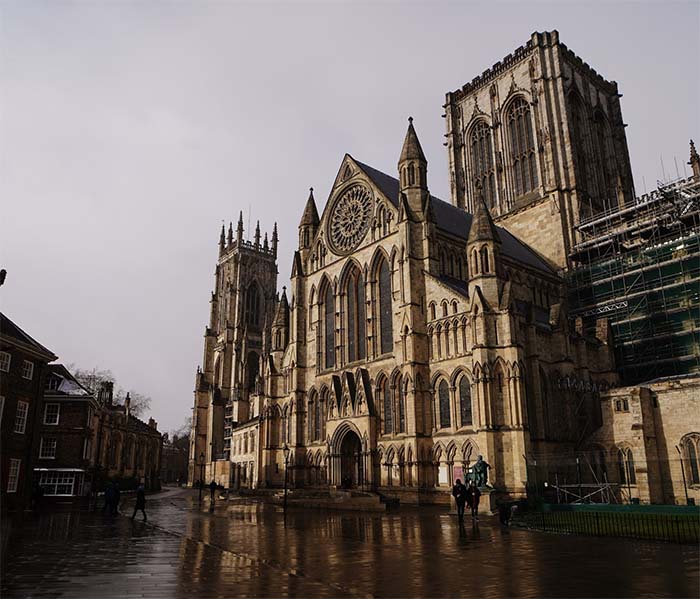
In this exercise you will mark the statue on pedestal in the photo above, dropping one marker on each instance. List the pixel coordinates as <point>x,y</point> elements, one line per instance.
<point>481,471</point>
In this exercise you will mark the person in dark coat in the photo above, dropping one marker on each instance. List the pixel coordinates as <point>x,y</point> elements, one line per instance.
<point>140,502</point>
<point>473,496</point>
<point>459,492</point>
<point>109,498</point>
<point>212,490</point>
<point>117,499</point>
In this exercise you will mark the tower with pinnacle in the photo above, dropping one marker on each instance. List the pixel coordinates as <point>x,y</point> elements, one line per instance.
<point>243,309</point>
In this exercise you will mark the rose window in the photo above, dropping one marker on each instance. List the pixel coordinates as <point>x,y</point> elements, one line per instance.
<point>350,219</point>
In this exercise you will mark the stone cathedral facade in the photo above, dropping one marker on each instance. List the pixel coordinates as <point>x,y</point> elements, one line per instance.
<point>419,334</point>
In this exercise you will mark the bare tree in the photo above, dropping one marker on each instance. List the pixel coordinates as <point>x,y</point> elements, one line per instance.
<point>93,379</point>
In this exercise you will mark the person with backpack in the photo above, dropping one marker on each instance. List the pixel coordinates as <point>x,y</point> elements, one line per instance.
<point>459,492</point>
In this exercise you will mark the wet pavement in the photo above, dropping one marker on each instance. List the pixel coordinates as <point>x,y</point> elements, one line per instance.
<point>248,548</point>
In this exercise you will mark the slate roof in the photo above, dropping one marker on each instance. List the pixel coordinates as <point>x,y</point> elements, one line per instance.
<point>457,222</point>
<point>9,330</point>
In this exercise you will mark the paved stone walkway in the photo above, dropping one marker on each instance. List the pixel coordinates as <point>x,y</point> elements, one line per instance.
<point>248,548</point>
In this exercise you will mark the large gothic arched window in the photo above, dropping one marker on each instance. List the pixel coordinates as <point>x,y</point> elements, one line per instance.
<point>400,391</point>
<point>386,333</point>
<point>481,152</point>
<point>356,320</point>
<point>317,419</point>
<point>690,447</point>
<point>329,328</point>
<point>444,404</point>
<point>252,305</point>
<point>607,171</point>
<point>522,147</point>
<point>388,407</point>
<point>465,401</point>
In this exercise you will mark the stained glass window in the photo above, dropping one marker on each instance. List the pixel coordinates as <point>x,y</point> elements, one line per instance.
<point>444,404</point>
<point>522,145</point>
<point>481,147</point>
<point>465,401</point>
<point>356,317</point>
<point>330,328</point>
<point>385,320</point>
<point>388,408</point>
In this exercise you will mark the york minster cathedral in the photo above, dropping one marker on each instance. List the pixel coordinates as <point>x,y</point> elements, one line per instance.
<point>418,334</point>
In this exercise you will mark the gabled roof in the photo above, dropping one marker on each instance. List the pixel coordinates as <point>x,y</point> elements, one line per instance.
<point>68,385</point>
<point>9,331</point>
<point>457,222</point>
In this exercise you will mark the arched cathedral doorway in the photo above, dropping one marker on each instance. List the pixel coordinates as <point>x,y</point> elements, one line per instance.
<point>350,460</point>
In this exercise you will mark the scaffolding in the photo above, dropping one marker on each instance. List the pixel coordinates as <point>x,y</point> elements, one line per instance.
<point>639,266</point>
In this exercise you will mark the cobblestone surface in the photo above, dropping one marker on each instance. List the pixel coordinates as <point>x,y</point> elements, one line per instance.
<point>248,548</point>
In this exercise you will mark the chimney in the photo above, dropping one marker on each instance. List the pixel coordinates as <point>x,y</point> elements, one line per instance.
<point>127,405</point>
<point>153,424</point>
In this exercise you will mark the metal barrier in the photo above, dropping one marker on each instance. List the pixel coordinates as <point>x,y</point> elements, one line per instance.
<point>652,527</point>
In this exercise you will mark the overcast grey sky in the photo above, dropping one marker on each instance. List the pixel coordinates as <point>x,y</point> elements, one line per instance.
<point>129,130</point>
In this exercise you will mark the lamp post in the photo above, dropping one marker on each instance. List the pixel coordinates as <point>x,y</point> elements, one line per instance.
<point>201,475</point>
<point>685,485</point>
<point>285,451</point>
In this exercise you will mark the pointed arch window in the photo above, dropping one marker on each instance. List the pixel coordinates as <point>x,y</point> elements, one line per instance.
<point>252,305</point>
<point>386,333</point>
<point>387,407</point>
<point>356,319</point>
<point>465,402</point>
<point>310,415</point>
<point>253,369</point>
<point>444,404</point>
<point>522,147</point>
<point>625,467</point>
<point>607,170</point>
<point>400,390</point>
<point>690,447</point>
<point>481,152</point>
<point>317,419</point>
<point>329,328</point>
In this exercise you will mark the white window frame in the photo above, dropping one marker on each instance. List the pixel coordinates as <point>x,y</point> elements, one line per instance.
<point>27,370</point>
<point>13,475</point>
<point>47,448</point>
<point>21,417</point>
<point>50,480</point>
<point>5,360</point>
<point>58,413</point>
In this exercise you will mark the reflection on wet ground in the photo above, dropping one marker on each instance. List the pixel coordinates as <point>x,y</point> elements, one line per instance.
<point>248,548</point>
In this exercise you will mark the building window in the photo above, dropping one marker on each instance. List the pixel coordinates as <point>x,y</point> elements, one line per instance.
<point>622,405</point>
<point>87,449</point>
<point>329,309</point>
<point>57,483</point>
<point>690,449</point>
<point>51,413</point>
<point>47,449</point>
<point>465,401</point>
<point>388,408</point>
<point>356,317</point>
<point>252,305</point>
<point>522,147</point>
<point>386,332</point>
<point>625,467</point>
<point>13,475</point>
<point>317,419</point>
<point>481,152</point>
<point>444,404</point>
<point>5,359</point>
<point>27,370</point>
<point>401,391</point>
<point>21,417</point>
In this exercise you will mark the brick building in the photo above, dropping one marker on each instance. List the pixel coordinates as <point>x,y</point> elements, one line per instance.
<point>23,365</point>
<point>66,435</point>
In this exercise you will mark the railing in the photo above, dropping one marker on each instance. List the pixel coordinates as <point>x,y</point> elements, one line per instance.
<point>671,528</point>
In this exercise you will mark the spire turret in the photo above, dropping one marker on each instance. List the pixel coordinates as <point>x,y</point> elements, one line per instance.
<point>230,233</point>
<point>694,160</point>
<point>222,238</point>
<point>413,172</point>
<point>280,325</point>
<point>257,234</point>
<point>239,229</point>
<point>275,240</point>
<point>482,227</point>
<point>265,244</point>
<point>309,222</point>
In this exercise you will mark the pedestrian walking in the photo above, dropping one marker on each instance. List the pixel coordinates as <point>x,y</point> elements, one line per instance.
<point>140,502</point>
<point>117,499</point>
<point>459,492</point>
<point>109,499</point>
<point>212,490</point>
<point>473,496</point>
